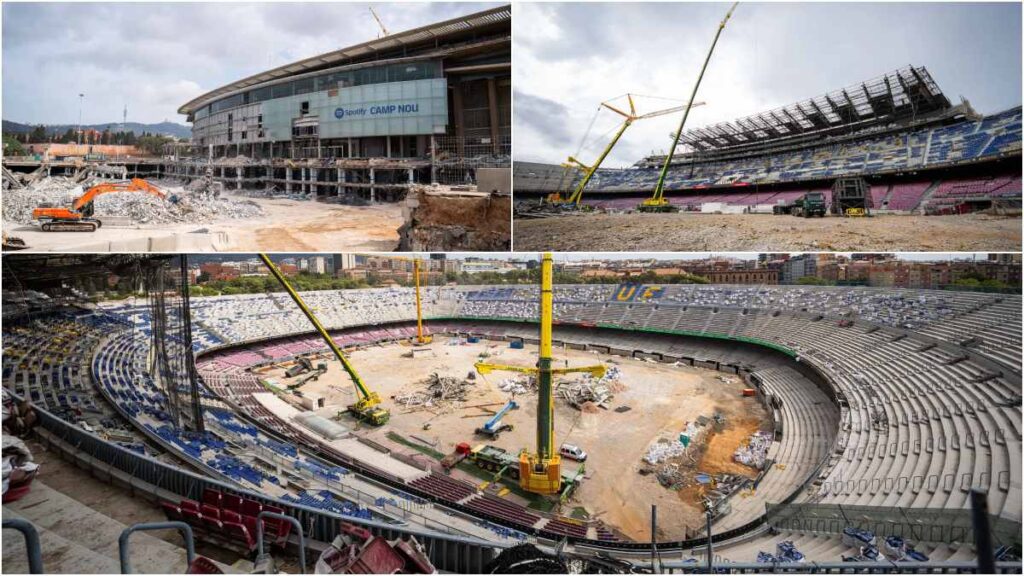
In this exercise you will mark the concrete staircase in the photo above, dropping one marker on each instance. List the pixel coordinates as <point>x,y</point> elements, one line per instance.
<point>923,202</point>
<point>77,539</point>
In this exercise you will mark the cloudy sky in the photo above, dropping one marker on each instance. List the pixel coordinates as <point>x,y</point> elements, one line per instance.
<point>570,57</point>
<point>155,57</point>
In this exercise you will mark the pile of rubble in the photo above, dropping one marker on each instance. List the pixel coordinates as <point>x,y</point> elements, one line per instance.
<point>438,392</point>
<point>755,451</point>
<point>516,385</point>
<point>178,206</point>
<point>588,394</point>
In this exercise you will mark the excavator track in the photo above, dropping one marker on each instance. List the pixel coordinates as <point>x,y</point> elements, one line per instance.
<point>70,226</point>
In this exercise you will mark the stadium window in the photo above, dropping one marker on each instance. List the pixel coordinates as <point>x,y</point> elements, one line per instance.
<point>243,134</point>
<point>304,108</point>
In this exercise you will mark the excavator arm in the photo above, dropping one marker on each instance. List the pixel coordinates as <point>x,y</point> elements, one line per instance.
<point>135,185</point>
<point>78,216</point>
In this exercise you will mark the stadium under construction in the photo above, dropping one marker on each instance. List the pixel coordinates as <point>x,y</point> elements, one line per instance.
<point>892,145</point>
<point>504,428</point>
<point>405,139</point>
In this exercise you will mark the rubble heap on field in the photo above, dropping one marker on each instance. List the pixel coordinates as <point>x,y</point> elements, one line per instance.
<point>755,451</point>
<point>178,206</point>
<point>436,391</point>
<point>588,393</point>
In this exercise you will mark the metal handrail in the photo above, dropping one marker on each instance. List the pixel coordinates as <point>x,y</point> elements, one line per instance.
<point>32,546</point>
<point>259,534</point>
<point>124,541</point>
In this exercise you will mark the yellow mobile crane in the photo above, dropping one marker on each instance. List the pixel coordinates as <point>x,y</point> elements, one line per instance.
<point>417,266</point>
<point>657,201</point>
<point>575,199</point>
<point>367,406</point>
<point>540,472</point>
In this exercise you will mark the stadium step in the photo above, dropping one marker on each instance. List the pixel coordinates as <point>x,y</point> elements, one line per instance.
<point>919,207</point>
<point>77,539</point>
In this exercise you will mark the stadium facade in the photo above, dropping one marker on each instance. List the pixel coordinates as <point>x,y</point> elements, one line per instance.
<point>916,150</point>
<point>442,87</point>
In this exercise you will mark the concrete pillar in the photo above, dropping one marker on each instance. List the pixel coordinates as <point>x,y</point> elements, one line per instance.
<point>492,107</point>
<point>288,180</point>
<point>433,160</point>
<point>238,177</point>
<point>341,178</point>
<point>315,175</point>
<point>373,180</point>
<point>459,126</point>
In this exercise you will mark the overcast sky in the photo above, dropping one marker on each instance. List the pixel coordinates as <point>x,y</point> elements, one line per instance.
<point>570,57</point>
<point>156,57</point>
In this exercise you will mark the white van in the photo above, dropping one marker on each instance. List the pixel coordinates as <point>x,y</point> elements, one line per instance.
<point>572,452</point>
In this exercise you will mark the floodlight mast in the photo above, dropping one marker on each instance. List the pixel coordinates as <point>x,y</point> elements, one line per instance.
<point>657,202</point>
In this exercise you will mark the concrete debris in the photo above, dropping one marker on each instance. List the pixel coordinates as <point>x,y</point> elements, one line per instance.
<point>438,392</point>
<point>588,393</point>
<point>663,449</point>
<point>516,385</point>
<point>755,451</point>
<point>179,205</point>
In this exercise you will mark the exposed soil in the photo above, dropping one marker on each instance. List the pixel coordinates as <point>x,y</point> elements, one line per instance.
<point>662,399</point>
<point>287,225</point>
<point>765,232</point>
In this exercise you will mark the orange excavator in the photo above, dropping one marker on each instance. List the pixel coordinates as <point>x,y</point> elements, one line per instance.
<point>78,218</point>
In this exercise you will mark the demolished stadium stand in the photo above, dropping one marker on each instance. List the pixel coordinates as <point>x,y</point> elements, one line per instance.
<point>918,152</point>
<point>889,406</point>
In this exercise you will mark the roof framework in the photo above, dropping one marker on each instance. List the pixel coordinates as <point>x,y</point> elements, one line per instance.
<point>897,95</point>
<point>360,52</point>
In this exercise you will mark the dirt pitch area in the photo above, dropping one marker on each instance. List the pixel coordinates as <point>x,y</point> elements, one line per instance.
<point>286,225</point>
<point>661,399</point>
<point>768,233</point>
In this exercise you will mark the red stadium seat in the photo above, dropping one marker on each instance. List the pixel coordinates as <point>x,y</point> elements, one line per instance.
<point>189,505</point>
<point>241,534</point>
<point>211,497</point>
<point>250,507</point>
<point>211,512</point>
<point>192,517</point>
<point>231,502</point>
<point>173,512</point>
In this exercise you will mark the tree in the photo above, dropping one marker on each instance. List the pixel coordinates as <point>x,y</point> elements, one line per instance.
<point>812,281</point>
<point>12,147</point>
<point>68,137</point>
<point>38,134</point>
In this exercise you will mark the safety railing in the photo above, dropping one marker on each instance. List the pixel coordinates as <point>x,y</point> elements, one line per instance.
<point>260,531</point>
<point>124,545</point>
<point>146,475</point>
<point>918,524</point>
<point>32,546</point>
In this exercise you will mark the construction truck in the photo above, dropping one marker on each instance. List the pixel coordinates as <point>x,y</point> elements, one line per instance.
<point>313,375</point>
<point>494,427</point>
<point>79,216</point>
<point>810,204</point>
<point>367,407</point>
<point>302,365</point>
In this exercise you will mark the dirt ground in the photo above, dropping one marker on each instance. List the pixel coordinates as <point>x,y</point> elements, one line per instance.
<point>662,399</point>
<point>765,232</point>
<point>287,225</point>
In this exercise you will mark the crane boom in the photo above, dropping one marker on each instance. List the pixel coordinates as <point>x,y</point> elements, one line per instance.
<point>657,202</point>
<point>366,405</point>
<point>541,471</point>
<point>576,198</point>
